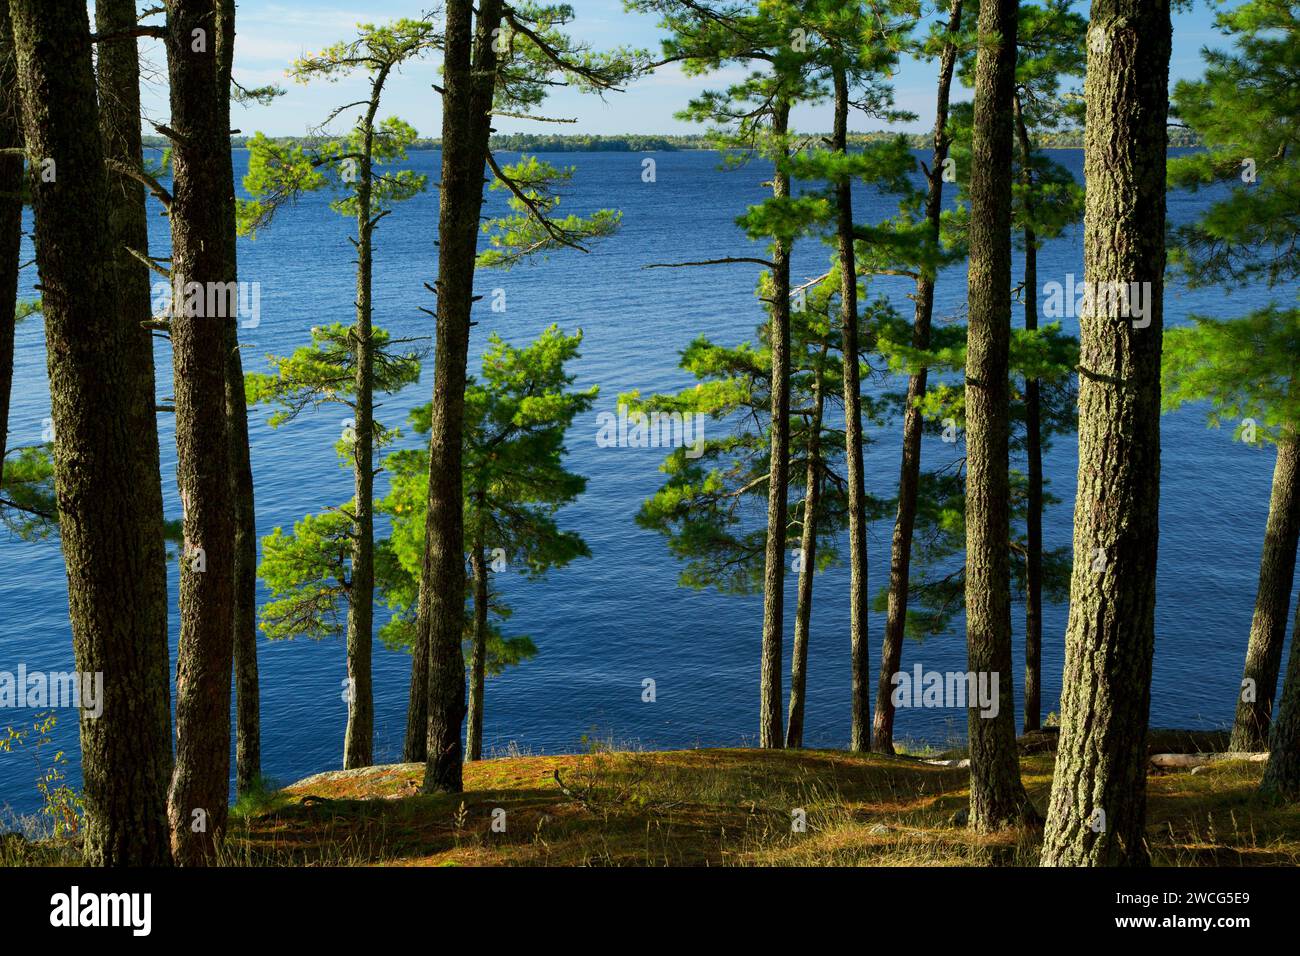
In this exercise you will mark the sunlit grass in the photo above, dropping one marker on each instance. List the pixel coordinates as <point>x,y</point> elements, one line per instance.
<point>724,807</point>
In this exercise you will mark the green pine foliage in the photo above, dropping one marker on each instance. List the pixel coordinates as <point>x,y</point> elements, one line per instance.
<point>28,508</point>
<point>712,505</point>
<point>1246,110</point>
<point>516,417</point>
<point>531,229</point>
<point>937,585</point>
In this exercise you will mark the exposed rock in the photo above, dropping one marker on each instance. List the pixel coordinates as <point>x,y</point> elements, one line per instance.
<point>1198,761</point>
<point>358,773</point>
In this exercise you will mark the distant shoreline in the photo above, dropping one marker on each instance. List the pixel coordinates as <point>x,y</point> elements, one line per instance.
<point>640,143</point>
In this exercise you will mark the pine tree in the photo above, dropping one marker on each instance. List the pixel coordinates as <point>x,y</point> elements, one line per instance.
<point>715,484</point>
<point>118,82</point>
<point>313,571</point>
<point>1243,110</point>
<point>810,520</point>
<point>515,484</point>
<point>468,80</point>
<point>112,539</point>
<point>858,51</point>
<point>752,117</point>
<point>1045,199</point>
<point>942,44</point>
<point>1247,369</point>
<point>198,799</point>
<point>1097,810</point>
<point>530,229</point>
<point>1049,42</point>
<point>248,729</point>
<point>997,797</point>
<point>487,67</point>
<point>359,166</point>
<point>11,221</point>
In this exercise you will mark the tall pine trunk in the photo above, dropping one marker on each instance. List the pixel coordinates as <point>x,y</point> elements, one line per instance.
<point>478,657</point>
<point>1282,772</point>
<point>900,553</point>
<point>415,746</point>
<point>110,525</point>
<point>1272,601</point>
<point>198,800</point>
<point>859,648</point>
<point>248,720</point>
<point>1034,452</point>
<point>1097,811</point>
<point>769,717</point>
<point>468,79</point>
<point>358,744</point>
<point>807,564</point>
<point>11,219</point>
<point>997,798</point>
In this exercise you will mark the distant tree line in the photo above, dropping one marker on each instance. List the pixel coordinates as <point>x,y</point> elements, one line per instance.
<point>674,142</point>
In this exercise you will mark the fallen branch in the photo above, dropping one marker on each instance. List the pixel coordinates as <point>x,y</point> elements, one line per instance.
<point>1184,761</point>
<point>581,798</point>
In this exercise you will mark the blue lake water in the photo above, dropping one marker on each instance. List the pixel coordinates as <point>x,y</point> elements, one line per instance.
<point>605,624</point>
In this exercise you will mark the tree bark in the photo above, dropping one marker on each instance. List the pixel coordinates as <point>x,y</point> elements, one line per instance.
<point>1282,772</point>
<point>197,805</point>
<point>808,565</point>
<point>110,525</point>
<point>900,555</point>
<point>1034,452</point>
<point>769,718</point>
<point>415,748</point>
<point>468,81</point>
<point>478,658</point>
<point>248,719</point>
<point>997,798</point>
<point>11,221</point>
<point>358,745</point>
<point>1272,600</point>
<point>1097,810</point>
<point>859,647</point>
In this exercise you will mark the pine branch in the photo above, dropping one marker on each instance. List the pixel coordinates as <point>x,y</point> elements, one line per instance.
<point>143,30</point>
<point>142,177</point>
<point>712,262</point>
<point>552,230</point>
<point>150,262</point>
<point>595,77</point>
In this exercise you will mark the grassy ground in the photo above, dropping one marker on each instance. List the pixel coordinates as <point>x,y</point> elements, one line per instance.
<point>723,807</point>
<point>714,807</point>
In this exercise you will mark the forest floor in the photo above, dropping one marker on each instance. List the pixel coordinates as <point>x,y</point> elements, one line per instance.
<point>720,807</point>
<point>730,807</point>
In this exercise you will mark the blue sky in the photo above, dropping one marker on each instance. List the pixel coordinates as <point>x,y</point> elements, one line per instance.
<point>272,33</point>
